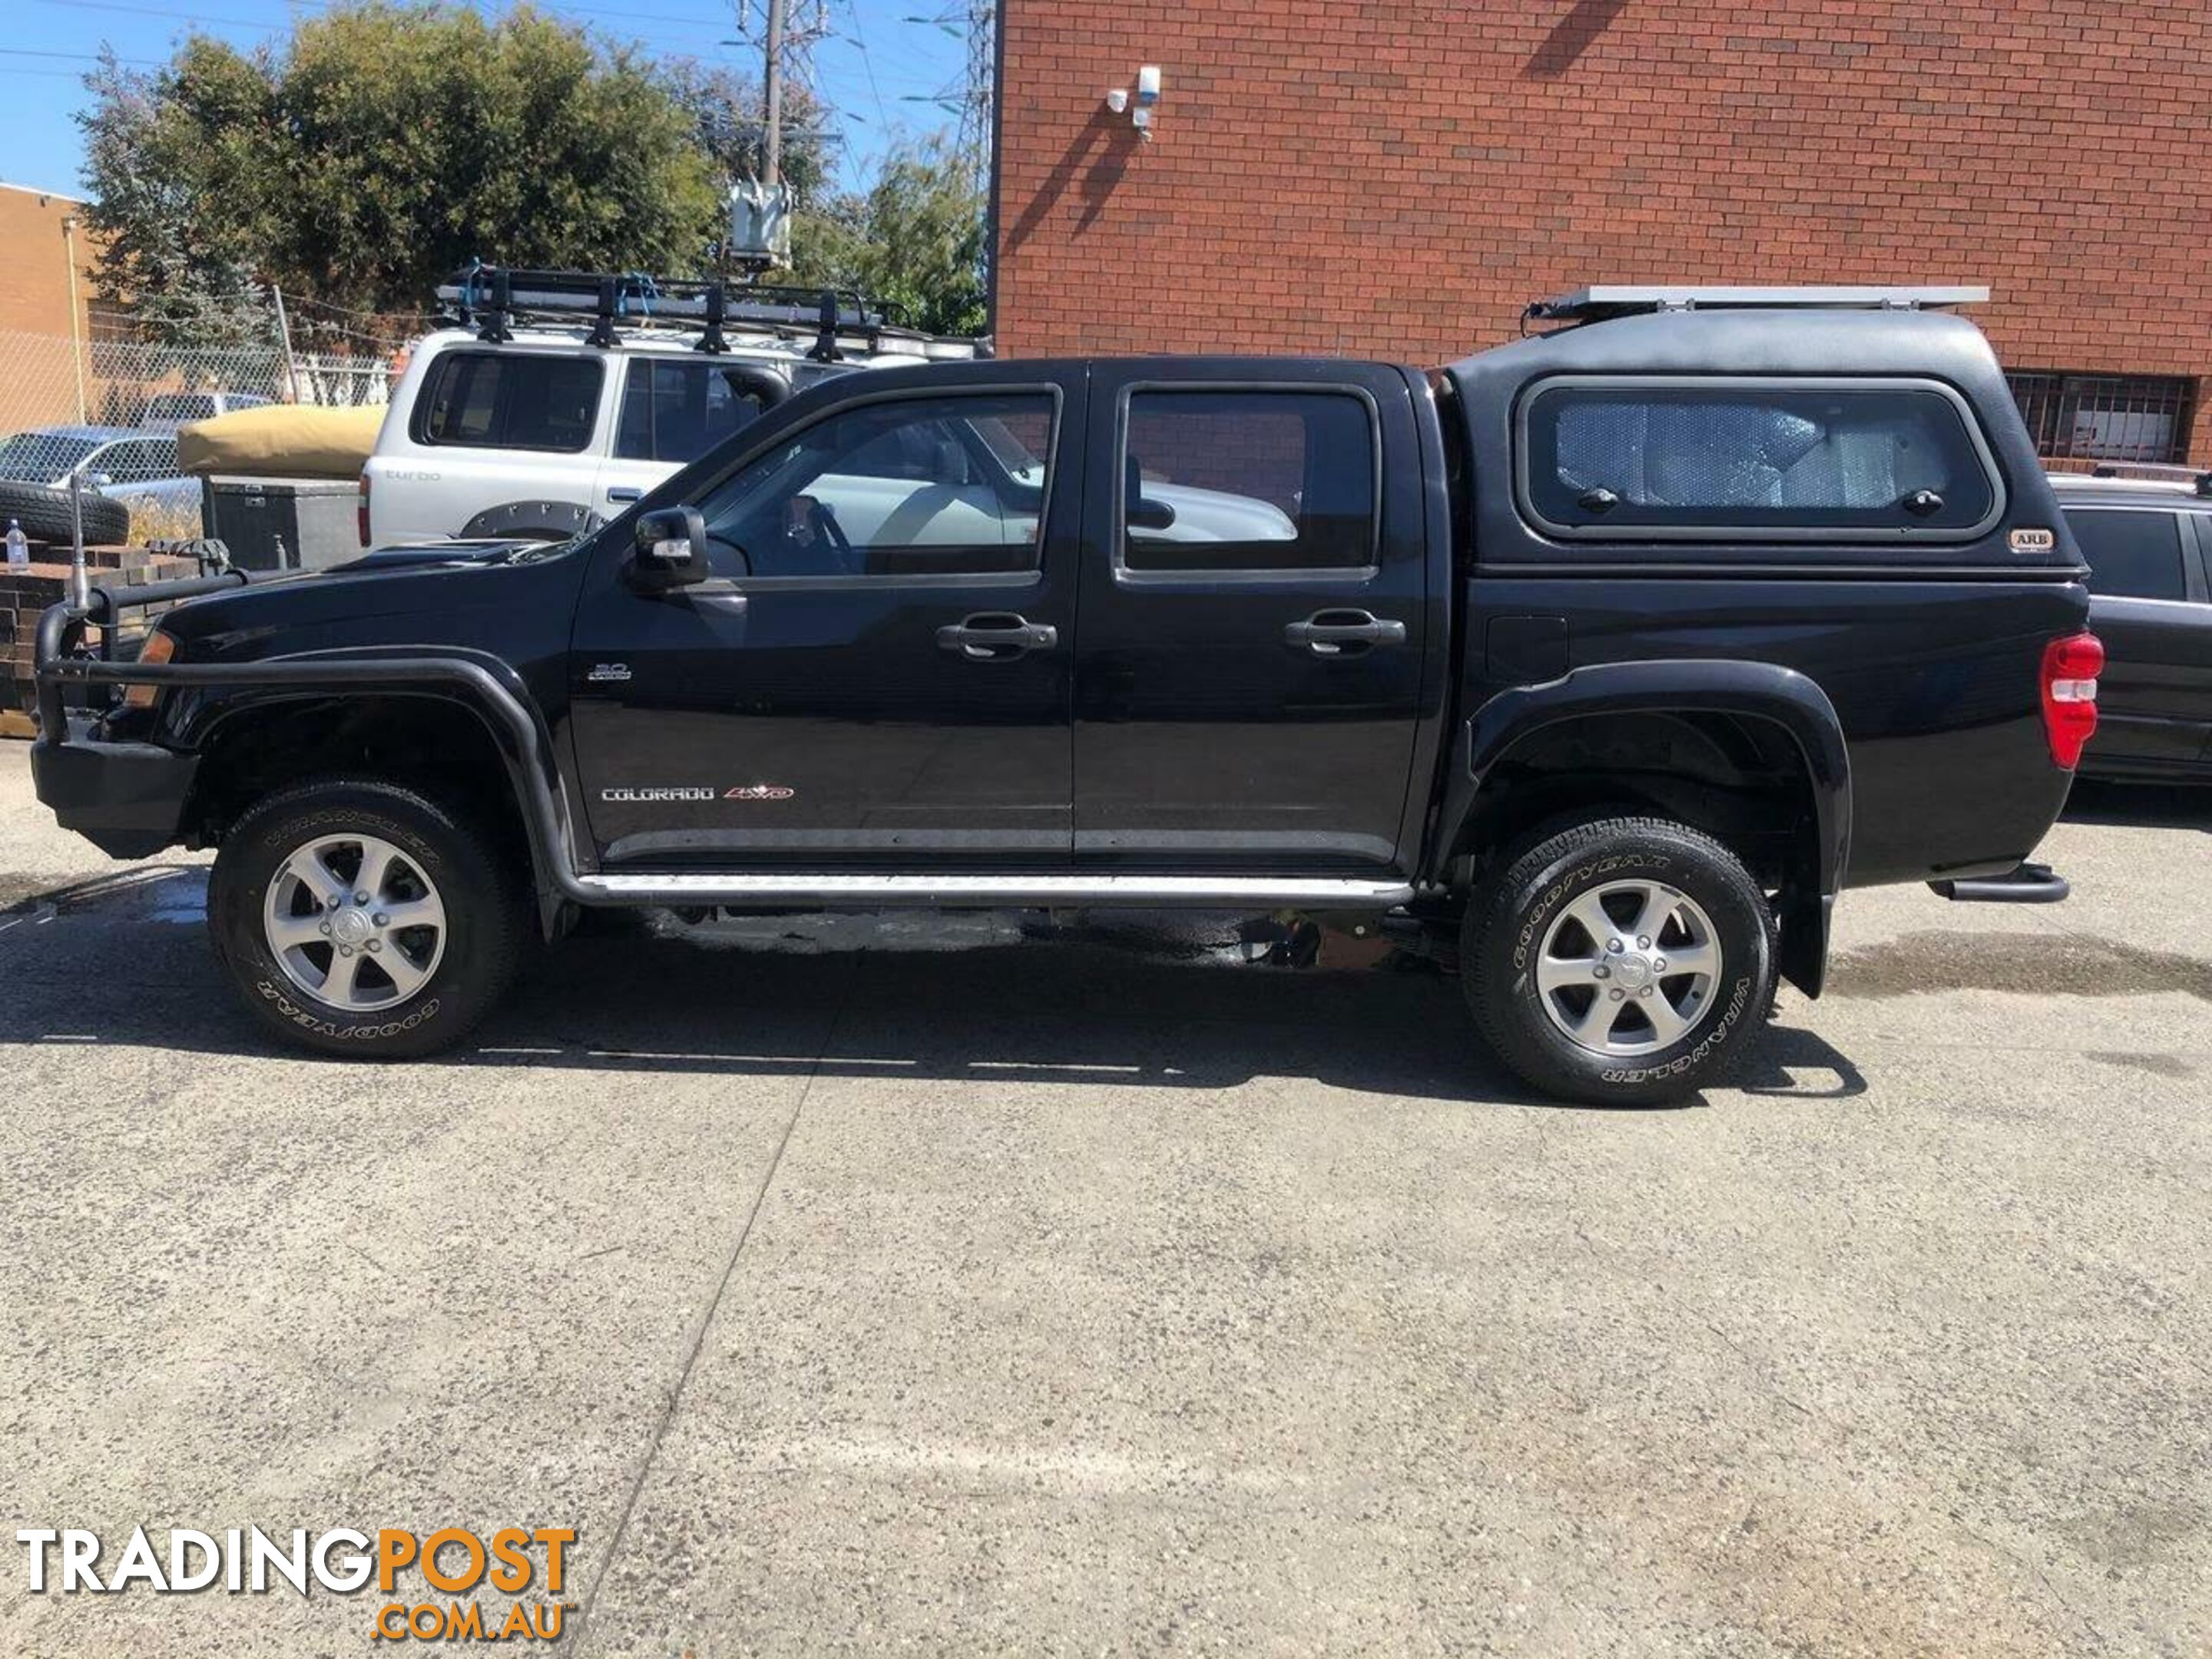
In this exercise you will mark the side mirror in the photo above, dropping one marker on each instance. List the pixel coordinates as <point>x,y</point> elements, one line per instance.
<point>1144,513</point>
<point>671,547</point>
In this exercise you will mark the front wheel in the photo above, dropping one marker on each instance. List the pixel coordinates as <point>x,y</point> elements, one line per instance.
<point>355,917</point>
<point>1626,961</point>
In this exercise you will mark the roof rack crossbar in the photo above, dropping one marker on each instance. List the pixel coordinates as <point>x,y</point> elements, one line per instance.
<point>2200,478</point>
<point>1601,301</point>
<point>639,296</point>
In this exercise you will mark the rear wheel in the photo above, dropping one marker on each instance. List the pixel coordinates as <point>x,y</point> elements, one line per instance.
<point>356,917</point>
<point>1620,961</point>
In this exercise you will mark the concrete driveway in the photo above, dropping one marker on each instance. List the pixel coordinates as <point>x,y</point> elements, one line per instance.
<point>851,1292</point>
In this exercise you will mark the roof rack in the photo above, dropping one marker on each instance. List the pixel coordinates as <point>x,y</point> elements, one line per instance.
<point>1599,302</point>
<point>491,298</point>
<point>2199,477</point>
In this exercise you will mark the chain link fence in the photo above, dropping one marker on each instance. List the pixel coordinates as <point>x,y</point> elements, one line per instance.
<point>46,380</point>
<point>140,393</point>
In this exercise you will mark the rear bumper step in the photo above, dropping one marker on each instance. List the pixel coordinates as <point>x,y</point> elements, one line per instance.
<point>2031,884</point>
<point>980,889</point>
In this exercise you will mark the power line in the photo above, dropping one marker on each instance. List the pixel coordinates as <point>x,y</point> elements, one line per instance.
<point>860,45</point>
<point>88,56</point>
<point>159,11</point>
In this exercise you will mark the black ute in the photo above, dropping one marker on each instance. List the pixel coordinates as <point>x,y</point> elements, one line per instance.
<point>1604,661</point>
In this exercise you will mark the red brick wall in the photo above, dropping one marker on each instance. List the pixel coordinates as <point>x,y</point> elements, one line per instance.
<point>1393,179</point>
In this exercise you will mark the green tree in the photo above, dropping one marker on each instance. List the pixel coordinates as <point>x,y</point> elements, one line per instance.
<point>379,148</point>
<point>914,239</point>
<point>160,147</point>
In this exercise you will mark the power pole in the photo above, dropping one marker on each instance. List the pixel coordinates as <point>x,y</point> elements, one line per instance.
<point>772,113</point>
<point>284,334</point>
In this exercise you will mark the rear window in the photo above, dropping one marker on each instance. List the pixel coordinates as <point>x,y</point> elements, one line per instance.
<point>495,400</point>
<point>1244,482</point>
<point>181,406</point>
<point>1753,459</point>
<point>2132,554</point>
<point>678,411</point>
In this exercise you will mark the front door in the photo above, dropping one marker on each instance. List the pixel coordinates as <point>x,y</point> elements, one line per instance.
<point>878,673</point>
<point>1248,668</point>
<point>2148,606</point>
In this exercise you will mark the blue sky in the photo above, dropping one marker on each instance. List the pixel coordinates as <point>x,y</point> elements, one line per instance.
<point>873,66</point>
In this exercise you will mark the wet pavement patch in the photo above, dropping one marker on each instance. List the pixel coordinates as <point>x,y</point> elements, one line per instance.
<point>2156,1065</point>
<point>2039,964</point>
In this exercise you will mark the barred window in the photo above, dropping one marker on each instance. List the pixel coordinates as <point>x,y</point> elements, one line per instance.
<point>2107,417</point>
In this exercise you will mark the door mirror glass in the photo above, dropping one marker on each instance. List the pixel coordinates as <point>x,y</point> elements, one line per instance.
<point>671,547</point>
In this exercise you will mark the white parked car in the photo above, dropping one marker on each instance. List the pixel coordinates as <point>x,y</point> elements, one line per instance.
<point>167,410</point>
<point>551,418</point>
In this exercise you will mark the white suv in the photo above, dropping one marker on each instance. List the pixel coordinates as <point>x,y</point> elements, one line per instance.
<point>547,426</point>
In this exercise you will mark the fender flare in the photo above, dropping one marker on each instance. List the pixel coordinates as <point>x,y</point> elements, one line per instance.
<point>1756,690</point>
<point>487,690</point>
<point>533,513</point>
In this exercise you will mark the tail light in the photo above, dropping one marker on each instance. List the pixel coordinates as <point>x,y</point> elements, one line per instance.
<point>2070,667</point>
<point>360,510</point>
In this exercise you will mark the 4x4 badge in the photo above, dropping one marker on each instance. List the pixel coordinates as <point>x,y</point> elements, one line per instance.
<point>603,672</point>
<point>759,792</point>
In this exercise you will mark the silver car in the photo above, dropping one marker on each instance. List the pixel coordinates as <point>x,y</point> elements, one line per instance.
<point>141,466</point>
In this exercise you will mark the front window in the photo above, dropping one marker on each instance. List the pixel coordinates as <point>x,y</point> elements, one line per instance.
<point>138,460</point>
<point>181,406</point>
<point>907,487</point>
<point>42,458</point>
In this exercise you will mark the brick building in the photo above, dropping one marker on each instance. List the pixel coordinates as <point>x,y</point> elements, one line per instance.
<point>40,361</point>
<point>35,277</point>
<point>1396,178</point>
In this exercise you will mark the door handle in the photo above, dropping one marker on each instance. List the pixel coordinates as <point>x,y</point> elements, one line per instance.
<point>996,637</point>
<point>625,493</point>
<point>1339,633</point>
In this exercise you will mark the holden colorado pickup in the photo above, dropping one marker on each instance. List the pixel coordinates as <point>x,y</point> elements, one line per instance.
<point>1604,661</point>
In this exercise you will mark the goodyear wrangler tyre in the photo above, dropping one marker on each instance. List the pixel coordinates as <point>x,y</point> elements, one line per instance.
<point>1628,960</point>
<point>355,917</point>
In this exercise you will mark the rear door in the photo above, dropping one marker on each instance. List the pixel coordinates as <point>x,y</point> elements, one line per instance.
<point>489,426</point>
<point>1253,616</point>
<point>674,408</point>
<point>2148,604</point>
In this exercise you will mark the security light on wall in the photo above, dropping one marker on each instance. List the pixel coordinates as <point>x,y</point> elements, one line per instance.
<point>1148,93</point>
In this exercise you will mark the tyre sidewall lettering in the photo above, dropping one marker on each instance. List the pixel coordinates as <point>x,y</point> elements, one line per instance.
<point>1565,887</point>
<point>1695,1057</point>
<point>316,1017</point>
<point>1741,930</point>
<point>301,1018</point>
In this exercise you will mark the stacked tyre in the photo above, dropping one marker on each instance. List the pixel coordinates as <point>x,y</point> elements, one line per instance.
<point>43,514</point>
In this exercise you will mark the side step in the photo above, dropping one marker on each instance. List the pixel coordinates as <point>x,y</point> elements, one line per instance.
<point>981,890</point>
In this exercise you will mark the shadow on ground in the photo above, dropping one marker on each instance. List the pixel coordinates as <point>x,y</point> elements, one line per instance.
<point>2146,805</point>
<point>1156,1001</point>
